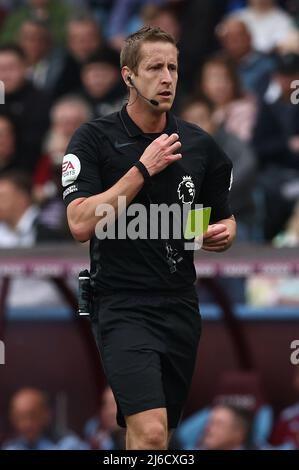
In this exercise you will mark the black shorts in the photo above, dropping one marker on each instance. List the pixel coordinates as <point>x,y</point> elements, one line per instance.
<point>148,346</point>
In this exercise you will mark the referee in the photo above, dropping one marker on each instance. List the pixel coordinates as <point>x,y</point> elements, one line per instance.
<point>145,308</point>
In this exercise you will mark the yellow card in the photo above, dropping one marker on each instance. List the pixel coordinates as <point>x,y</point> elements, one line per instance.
<point>197,222</point>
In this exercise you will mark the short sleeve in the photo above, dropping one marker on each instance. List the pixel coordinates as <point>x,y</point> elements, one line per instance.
<point>217,182</point>
<point>81,165</point>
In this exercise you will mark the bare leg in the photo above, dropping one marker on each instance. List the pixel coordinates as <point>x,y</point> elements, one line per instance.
<point>147,430</point>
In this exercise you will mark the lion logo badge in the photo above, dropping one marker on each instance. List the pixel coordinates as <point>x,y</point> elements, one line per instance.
<point>186,190</point>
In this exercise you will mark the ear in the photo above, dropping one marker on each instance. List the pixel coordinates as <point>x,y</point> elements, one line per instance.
<point>126,73</point>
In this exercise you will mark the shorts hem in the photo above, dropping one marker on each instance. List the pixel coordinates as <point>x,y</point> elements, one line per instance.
<point>138,409</point>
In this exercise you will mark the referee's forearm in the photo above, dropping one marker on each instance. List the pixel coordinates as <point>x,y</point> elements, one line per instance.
<point>81,212</point>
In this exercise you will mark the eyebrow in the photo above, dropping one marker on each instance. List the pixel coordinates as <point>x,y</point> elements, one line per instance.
<point>153,62</point>
<point>150,64</point>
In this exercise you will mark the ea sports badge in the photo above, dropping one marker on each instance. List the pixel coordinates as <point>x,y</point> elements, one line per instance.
<point>71,168</point>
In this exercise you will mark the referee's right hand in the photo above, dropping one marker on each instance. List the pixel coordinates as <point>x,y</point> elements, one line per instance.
<point>161,153</point>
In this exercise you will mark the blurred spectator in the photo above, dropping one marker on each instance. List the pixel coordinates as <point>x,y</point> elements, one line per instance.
<point>198,19</point>
<point>20,225</point>
<point>164,17</point>
<point>234,110</point>
<point>103,87</point>
<point>289,44</point>
<point>28,106</point>
<point>276,140</point>
<point>44,64</point>
<point>268,24</point>
<point>23,224</point>
<point>83,36</point>
<point>254,68</point>
<point>167,17</point>
<point>124,19</point>
<point>241,390</point>
<point>277,130</point>
<point>30,417</point>
<point>54,11</point>
<point>83,39</point>
<point>286,430</point>
<point>66,116</point>
<point>103,432</point>
<point>101,10</point>
<point>8,144</point>
<point>243,159</point>
<point>228,428</point>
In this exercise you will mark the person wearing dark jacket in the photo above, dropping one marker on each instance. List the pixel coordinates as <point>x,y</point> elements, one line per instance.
<point>28,106</point>
<point>102,87</point>
<point>200,112</point>
<point>276,141</point>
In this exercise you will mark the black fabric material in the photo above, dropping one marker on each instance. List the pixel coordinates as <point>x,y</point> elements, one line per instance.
<point>148,347</point>
<point>29,108</point>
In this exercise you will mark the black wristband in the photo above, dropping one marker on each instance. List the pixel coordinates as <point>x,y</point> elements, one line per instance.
<point>143,170</point>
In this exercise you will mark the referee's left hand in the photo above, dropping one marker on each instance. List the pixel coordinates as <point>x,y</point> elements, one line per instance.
<point>216,238</point>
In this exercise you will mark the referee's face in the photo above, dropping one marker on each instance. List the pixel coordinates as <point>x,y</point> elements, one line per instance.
<point>158,73</point>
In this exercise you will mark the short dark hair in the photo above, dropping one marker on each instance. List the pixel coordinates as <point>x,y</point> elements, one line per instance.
<point>20,179</point>
<point>106,56</point>
<point>13,48</point>
<point>83,17</point>
<point>199,100</point>
<point>130,53</point>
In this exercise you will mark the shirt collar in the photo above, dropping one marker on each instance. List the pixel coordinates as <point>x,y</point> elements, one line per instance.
<point>133,130</point>
<point>26,221</point>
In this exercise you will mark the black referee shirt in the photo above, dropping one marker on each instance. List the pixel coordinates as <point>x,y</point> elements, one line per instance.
<point>101,152</point>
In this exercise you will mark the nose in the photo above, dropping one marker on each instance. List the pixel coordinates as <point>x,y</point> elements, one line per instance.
<point>166,77</point>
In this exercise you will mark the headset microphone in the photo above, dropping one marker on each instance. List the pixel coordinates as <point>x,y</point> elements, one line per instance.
<point>153,102</point>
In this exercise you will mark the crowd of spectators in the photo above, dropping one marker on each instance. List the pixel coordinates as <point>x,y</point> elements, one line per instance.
<point>239,418</point>
<point>238,67</point>
<point>239,81</point>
